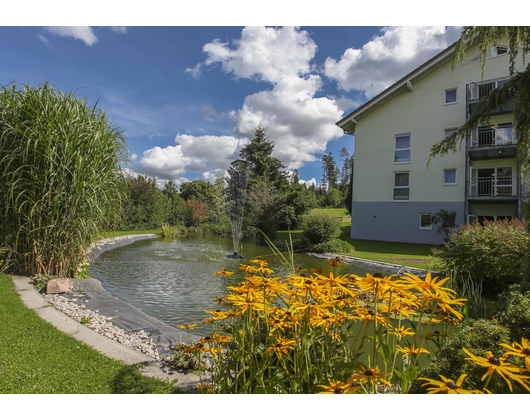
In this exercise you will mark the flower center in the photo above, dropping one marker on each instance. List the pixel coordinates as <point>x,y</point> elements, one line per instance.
<point>494,361</point>
<point>371,312</point>
<point>339,391</point>
<point>452,385</point>
<point>526,351</point>
<point>369,373</point>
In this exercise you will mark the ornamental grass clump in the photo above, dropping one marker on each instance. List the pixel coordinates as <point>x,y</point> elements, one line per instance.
<point>313,331</point>
<point>60,177</point>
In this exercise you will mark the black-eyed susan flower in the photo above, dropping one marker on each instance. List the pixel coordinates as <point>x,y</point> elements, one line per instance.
<point>412,350</point>
<point>282,345</point>
<point>339,387</point>
<point>371,375</point>
<point>446,385</point>
<point>335,262</point>
<point>206,388</point>
<point>499,365</point>
<point>520,350</point>
<point>224,273</point>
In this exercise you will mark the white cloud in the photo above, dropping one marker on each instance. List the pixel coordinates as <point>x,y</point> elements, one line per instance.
<point>388,57</point>
<point>210,155</point>
<point>268,54</point>
<point>312,181</point>
<point>134,156</point>
<point>84,33</point>
<point>119,29</point>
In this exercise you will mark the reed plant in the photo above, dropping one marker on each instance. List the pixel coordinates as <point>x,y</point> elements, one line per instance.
<point>60,177</point>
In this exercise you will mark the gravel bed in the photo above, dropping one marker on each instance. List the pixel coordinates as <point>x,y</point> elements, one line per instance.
<point>73,307</point>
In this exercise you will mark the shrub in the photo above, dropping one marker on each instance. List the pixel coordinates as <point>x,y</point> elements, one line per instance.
<point>196,213</point>
<point>514,312</point>
<point>491,253</point>
<point>320,227</point>
<point>477,336</point>
<point>335,245</point>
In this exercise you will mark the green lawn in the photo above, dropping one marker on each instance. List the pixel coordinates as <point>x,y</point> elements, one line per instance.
<point>412,255</point>
<point>36,358</point>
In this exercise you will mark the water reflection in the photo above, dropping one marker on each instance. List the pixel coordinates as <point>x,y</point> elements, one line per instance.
<point>173,280</point>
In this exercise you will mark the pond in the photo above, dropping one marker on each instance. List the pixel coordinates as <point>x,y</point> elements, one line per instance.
<point>174,280</point>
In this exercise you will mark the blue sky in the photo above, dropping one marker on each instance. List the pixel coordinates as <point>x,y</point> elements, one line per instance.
<point>187,98</point>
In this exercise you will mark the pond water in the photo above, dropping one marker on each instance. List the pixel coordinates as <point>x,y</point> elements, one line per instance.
<point>174,280</point>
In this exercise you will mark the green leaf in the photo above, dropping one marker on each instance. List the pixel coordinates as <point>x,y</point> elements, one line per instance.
<point>265,390</point>
<point>384,350</point>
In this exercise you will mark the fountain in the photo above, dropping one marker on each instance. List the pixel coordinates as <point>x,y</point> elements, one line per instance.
<point>236,197</point>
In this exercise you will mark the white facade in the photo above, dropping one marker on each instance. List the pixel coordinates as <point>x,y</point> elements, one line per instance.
<point>393,190</point>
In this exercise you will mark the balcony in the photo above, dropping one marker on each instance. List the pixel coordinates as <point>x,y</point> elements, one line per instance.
<point>499,189</point>
<point>476,91</point>
<point>493,142</point>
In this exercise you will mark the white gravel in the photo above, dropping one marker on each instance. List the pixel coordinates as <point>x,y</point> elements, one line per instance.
<point>73,307</point>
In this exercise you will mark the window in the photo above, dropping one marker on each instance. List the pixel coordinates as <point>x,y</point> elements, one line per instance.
<point>449,176</point>
<point>401,186</point>
<point>450,96</point>
<point>402,154</point>
<point>425,221</point>
<point>448,132</point>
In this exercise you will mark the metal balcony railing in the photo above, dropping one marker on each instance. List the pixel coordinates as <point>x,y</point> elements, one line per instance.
<point>501,186</point>
<point>493,136</point>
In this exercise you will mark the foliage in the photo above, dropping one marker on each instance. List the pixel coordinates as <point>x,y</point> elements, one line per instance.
<point>491,253</point>
<point>200,191</point>
<point>171,232</point>
<point>334,245</point>
<point>297,202</point>
<point>309,331</point>
<point>146,207</point>
<point>175,213</point>
<point>330,174</point>
<point>333,199</point>
<point>196,213</point>
<point>321,227</point>
<point>258,155</point>
<point>60,177</point>
<point>514,312</point>
<point>264,207</point>
<point>477,336</point>
<point>181,359</point>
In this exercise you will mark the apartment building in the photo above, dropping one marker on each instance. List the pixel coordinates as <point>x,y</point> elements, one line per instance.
<point>394,193</point>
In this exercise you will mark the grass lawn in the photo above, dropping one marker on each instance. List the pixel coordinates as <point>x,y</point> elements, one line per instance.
<point>36,358</point>
<point>412,255</point>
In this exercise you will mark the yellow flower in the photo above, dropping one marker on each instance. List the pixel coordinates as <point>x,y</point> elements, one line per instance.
<point>200,348</point>
<point>446,385</point>
<point>499,365</point>
<point>410,351</point>
<point>282,345</point>
<point>206,388</point>
<point>224,273</point>
<point>520,350</point>
<point>215,338</point>
<point>339,387</point>
<point>325,319</point>
<point>430,287</point>
<point>402,332</point>
<point>372,375</point>
<point>187,327</point>
<point>335,262</point>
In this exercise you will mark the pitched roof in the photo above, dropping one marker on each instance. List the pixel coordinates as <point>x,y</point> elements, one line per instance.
<point>349,122</point>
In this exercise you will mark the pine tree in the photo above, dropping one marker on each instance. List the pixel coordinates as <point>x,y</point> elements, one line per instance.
<point>330,173</point>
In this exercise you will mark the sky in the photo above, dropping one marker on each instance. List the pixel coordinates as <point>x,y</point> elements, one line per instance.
<point>188,97</point>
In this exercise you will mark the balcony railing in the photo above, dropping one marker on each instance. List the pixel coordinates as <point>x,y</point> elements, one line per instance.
<point>476,91</point>
<point>501,186</point>
<point>493,136</point>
